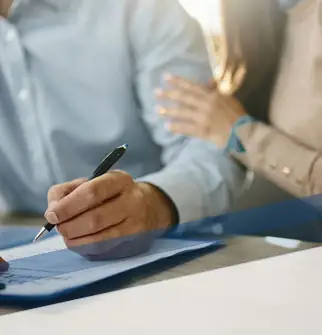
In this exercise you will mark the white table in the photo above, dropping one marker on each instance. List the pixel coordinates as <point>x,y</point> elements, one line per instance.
<point>280,296</point>
<point>239,250</point>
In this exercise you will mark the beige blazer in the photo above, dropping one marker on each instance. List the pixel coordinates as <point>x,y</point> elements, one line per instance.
<point>289,152</point>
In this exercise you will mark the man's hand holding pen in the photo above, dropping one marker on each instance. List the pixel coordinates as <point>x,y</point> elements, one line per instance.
<point>111,206</point>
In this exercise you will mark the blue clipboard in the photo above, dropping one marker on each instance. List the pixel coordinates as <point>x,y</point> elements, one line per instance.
<point>55,274</point>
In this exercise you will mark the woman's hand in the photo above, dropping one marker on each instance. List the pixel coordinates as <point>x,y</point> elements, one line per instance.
<point>201,111</point>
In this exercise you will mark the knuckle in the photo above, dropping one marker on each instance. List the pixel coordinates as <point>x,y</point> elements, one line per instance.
<point>53,190</point>
<point>125,177</point>
<point>63,213</point>
<point>80,180</point>
<point>92,192</point>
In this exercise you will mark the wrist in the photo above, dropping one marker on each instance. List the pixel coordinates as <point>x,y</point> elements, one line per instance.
<point>233,115</point>
<point>234,144</point>
<point>163,213</point>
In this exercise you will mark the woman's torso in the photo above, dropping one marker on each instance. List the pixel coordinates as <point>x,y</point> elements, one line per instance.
<point>296,104</point>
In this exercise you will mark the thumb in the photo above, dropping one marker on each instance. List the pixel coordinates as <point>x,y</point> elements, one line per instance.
<point>58,192</point>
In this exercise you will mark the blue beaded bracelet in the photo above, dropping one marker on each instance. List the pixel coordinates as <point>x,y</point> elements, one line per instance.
<point>234,144</point>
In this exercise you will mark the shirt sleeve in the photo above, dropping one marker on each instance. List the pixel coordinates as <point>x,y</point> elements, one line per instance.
<point>286,162</point>
<point>197,176</point>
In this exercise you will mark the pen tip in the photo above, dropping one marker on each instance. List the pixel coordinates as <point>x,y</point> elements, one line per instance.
<point>39,235</point>
<point>125,146</point>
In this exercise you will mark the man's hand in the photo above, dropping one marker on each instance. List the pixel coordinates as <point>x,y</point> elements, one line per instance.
<point>102,214</point>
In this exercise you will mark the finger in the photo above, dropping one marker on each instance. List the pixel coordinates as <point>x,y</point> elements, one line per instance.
<point>93,221</point>
<point>212,84</point>
<point>180,114</point>
<point>125,228</point>
<point>188,129</point>
<point>57,192</point>
<point>186,85</point>
<point>89,195</point>
<point>185,99</point>
<point>187,120</point>
<point>123,241</point>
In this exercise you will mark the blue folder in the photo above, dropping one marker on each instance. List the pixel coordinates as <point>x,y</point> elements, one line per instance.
<point>54,274</point>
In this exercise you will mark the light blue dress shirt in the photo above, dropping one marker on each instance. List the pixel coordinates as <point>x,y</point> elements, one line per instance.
<point>77,78</point>
<point>288,4</point>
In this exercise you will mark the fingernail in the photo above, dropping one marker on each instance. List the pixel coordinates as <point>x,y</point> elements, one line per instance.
<point>162,110</point>
<point>51,217</point>
<point>4,266</point>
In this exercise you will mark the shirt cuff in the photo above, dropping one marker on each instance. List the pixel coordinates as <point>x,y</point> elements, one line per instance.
<point>184,194</point>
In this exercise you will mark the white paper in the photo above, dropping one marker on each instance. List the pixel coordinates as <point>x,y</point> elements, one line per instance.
<point>283,242</point>
<point>54,269</point>
<point>43,246</point>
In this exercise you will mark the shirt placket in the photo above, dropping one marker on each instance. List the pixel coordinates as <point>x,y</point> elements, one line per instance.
<point>13,65</point>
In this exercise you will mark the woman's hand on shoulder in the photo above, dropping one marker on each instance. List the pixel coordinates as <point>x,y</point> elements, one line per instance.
<point>200,111</point>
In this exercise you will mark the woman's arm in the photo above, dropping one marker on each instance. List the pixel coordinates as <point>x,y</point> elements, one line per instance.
<point>204,112</point>
<point>291,165</point>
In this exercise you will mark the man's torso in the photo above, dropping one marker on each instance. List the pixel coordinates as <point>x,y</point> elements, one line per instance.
<point>67,95</point>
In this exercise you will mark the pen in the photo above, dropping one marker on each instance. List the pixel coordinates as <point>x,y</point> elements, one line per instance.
<point>105,165</point>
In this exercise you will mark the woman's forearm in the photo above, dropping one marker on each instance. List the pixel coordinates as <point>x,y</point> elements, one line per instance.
<point>288,163</point>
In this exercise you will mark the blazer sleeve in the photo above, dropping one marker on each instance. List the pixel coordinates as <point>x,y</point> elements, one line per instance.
<point>289,164</point>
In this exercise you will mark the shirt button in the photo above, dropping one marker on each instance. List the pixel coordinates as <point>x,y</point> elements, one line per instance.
<point>286,171</point>
<point>272,165</point>
<point>11,35</point>
<point>299,181</point>
<point>23,94</point>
